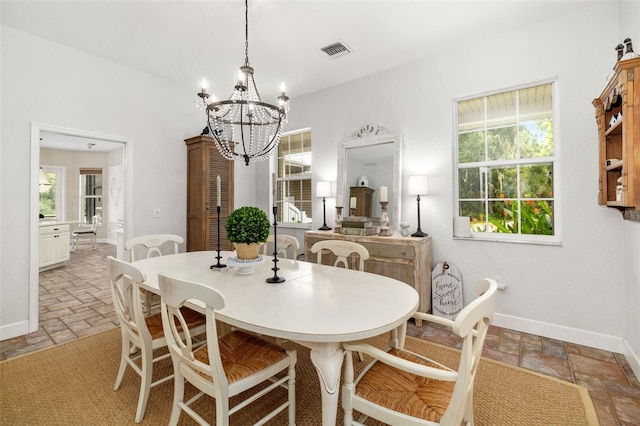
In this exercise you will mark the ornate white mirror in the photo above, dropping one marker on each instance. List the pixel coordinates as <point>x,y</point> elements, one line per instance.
<point>375,153</point>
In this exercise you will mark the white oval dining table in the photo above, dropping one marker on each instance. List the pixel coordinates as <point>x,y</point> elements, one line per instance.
<point>317,306</point>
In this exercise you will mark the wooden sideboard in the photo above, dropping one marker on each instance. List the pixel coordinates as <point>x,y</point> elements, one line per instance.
<point>406,259</point>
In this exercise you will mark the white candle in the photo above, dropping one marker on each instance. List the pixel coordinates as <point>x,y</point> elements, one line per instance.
<point>218,190</point>
<point>383,194</point>
<point>352,203</point>
<point>274,188</point>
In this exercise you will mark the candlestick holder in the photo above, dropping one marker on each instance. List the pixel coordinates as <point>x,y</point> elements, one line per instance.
<point>384,220</point>
<point>275,279</point>
<point>338,227</point>
<point>352,212</point>
<point>218,265</point>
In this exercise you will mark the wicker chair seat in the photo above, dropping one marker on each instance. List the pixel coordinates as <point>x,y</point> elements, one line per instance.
<point>242,355</point>
<point>192,318</point>
<point>404,392</point>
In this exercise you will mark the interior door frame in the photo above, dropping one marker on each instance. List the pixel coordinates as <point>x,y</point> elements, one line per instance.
<point>34,230</point>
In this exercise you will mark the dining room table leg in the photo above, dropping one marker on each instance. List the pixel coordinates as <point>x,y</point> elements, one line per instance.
<point>327,359</point>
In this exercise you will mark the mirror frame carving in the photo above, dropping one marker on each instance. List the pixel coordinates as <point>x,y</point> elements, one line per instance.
<point>371,135</point>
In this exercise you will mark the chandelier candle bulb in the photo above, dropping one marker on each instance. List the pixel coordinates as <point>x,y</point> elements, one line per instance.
<point>383,194</point>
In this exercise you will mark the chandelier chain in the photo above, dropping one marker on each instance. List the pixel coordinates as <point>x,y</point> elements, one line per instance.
<point>246,33</point>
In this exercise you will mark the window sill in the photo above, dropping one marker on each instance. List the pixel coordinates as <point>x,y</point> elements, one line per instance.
<point>516,240</point>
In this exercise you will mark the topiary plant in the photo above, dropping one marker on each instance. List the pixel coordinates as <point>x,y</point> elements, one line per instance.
<point>247,225</point>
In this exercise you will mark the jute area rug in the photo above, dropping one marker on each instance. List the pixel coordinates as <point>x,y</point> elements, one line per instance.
<point>72,384</point>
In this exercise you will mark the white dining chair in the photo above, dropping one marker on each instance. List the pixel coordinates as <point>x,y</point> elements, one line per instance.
<point>284,242</point>
<point>84,233</point>
<point>141,335</point>
<point>400,387</point>
<point>225,366</point>
<point>343,250</point>
<point>146,246</point>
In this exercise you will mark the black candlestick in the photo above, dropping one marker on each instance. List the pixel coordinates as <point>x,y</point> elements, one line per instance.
<point>275,279</point>
<point>324,217</point>
<point>218,257</point>
<point>419,232</point>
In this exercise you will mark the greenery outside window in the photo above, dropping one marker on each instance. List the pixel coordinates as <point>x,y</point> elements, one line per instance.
<point>90,194</point>
<point>293,178</point>
<point>52,193</point>
<point>506,164</point>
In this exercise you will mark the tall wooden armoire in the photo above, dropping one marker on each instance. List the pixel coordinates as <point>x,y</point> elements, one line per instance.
<point>204,165</point>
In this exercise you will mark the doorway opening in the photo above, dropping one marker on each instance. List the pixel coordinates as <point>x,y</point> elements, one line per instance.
<point>70,149</point>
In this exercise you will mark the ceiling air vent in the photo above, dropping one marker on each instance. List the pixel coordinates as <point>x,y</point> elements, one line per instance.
<point>336,50</point>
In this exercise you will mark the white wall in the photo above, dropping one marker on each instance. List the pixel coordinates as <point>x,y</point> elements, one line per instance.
<point>48,83</point>
<point>574,292</point>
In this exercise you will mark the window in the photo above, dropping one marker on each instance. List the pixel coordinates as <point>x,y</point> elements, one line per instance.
<point>293,178</point>
<point>90,194</point>
<point>506,163</point>
<point>51,186</point>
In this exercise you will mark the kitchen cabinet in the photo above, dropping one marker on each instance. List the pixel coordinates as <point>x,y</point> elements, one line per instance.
<point>54,245</point>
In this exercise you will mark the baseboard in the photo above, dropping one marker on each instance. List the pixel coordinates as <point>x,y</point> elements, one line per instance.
<point>559,332</point>
<point>14,330</point>
<point>632,358</point>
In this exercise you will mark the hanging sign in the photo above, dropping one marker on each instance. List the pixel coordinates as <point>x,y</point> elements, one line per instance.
<point>446,291</point>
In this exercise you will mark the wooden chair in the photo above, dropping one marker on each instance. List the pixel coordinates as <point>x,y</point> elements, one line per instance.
<point>140,335</point>
<point>246,361</point>
<point>400,387</point>
<point>342,250</point>
<point>147,246</point>
<point>284,242</point>
<point>89,234</point>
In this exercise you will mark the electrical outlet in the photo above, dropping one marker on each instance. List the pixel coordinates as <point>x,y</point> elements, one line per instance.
<point>156,212</point>
<point>501,284</point>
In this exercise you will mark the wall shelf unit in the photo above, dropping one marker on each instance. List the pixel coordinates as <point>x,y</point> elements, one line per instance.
<point>618,118</point>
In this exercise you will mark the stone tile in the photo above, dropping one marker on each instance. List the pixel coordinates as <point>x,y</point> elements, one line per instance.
<point>78,325</point>
<point>605,370</point>
<point>627,409</point>
<point>30,348</point>
<point>94,330</point>
<point>65,304</point>
<point>63,336</point>
<point>501,356</point>
<point>547,364</point>
<point>512,335</point>
<point>627,370</point>
<point>605,413</point>
<point>573,348</point>
<point>59,313</point>
<point>593,384</point>
<point>554,348</point>
<point>509,346</point>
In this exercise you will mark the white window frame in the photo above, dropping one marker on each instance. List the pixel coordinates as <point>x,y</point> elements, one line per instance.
<point>275,179</point>
<point>84,197</point>
<point>556,238</point>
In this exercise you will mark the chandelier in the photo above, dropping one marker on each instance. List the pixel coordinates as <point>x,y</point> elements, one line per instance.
<point>244,127</point>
